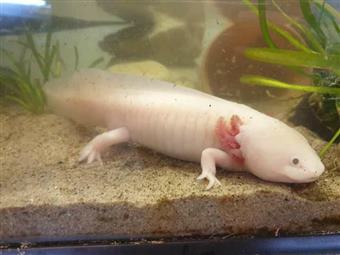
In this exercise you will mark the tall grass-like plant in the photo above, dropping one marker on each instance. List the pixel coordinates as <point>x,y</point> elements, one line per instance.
<point>315,52</point>
<point>17,83</point>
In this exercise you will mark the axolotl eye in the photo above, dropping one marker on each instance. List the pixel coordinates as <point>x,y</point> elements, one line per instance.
<point>295,161</point>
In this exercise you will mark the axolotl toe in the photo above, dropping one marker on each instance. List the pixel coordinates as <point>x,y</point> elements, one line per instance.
<point>183,123</point>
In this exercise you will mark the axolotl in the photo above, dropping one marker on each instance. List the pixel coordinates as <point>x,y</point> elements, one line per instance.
<point>183,123</point>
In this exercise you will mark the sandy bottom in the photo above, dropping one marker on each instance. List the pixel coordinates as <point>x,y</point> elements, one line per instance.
<point>45,192</point>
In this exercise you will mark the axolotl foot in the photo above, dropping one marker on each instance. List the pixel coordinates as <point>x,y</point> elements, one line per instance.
<point>212,180</point>
<point>93,150</point>
<point>212,157</point>
<point>90,153</point>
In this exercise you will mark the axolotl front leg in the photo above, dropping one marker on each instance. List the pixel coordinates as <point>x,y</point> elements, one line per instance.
<point>212,157</point>
<point>230,157</point>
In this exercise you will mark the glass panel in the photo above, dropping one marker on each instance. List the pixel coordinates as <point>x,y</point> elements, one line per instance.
<point>110,110</point>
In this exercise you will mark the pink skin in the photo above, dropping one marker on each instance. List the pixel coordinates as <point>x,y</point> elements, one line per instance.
<point>226,135</point>
<point>184,124</point>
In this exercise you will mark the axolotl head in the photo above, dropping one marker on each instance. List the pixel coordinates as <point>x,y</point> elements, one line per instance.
<point>277,152</point>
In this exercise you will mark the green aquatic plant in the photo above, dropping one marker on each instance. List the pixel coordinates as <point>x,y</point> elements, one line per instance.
<point>18,84</point>
<point>267,82</point>
<point>294,58</point>
<point>44,61</point>
<point>314,52</point>
<point>329,144</point>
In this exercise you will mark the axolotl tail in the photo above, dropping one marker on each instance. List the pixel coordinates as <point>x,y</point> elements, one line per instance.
<point>83,97</point>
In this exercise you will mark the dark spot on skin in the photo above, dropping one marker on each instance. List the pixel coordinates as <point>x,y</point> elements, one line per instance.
<point>295,161</point>
<point>209,105</point>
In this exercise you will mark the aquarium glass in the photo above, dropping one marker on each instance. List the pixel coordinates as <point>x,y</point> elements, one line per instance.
<point>109,109</point>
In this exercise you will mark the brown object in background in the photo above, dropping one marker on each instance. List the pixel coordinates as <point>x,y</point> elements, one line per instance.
<point>160,31</point>
<point>224,62</point>
<point>234,10</point>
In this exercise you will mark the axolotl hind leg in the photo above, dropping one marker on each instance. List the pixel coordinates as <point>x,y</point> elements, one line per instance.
<point>92,151</point>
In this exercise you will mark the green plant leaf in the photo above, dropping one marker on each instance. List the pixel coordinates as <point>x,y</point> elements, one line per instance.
<point>306,33</point>
<point>329,9</point>
<point>251,6</point>
<point>311,20</point>
<point>30,44</point>
<point>96,62</point>
<point>18,65</point>
<point>76,56</point>
<point>8,84</point>
<point>18,84</point>
<point>58,64</point>
<point>26,90</point>
<point>281,32</point>
<point>20,102</point>
<point>329,144</point>
<point>261,6</point>
<point>49,61</point>
<point>268,82</point>
<point>290,38</point>
<point>322,11</point>
<point>47,46</point>
<point>295,58</point>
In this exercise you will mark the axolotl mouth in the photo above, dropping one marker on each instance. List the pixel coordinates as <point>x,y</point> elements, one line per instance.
<point>301,174</point>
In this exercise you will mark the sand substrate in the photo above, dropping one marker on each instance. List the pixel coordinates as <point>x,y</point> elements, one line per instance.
<point>45,192</point>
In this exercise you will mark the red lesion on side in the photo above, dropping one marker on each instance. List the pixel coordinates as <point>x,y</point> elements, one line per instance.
<point>238,159</point>
<point>226,133</point>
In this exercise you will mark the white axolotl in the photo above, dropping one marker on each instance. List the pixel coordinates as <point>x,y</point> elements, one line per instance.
<point>185,124</point>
